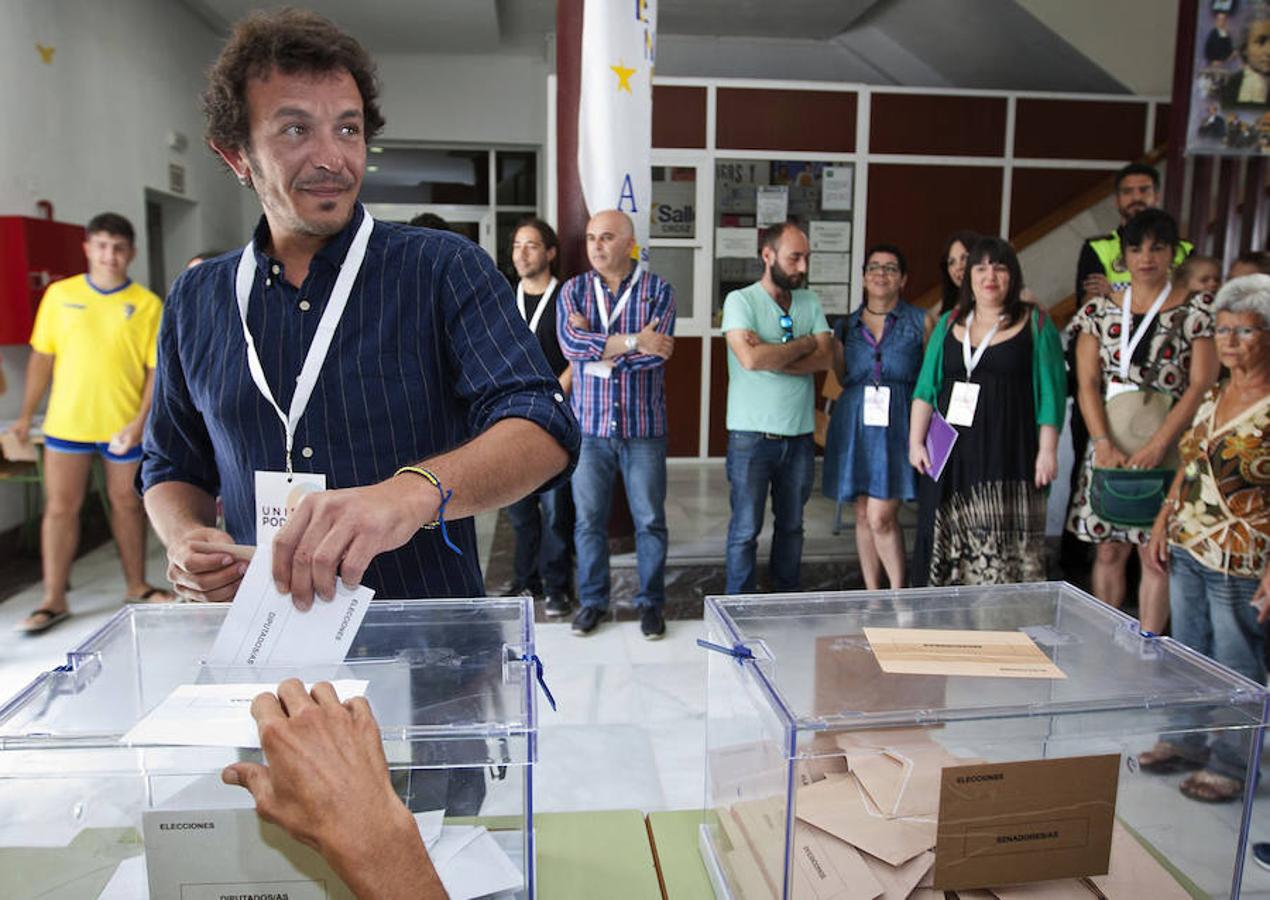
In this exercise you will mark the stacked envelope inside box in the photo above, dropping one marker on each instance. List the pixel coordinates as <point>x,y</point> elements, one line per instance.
<point>865,821</point>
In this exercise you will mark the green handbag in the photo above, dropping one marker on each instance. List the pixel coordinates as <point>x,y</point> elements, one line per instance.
<point>1129,498</point>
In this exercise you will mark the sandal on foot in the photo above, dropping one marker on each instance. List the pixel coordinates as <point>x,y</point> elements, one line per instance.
<point>153,595</point>
<point>1166,759</point>
<point>41,620</point>
<point>1209,787</point>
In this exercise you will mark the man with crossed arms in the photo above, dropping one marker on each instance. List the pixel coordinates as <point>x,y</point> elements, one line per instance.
<point>615,326</point>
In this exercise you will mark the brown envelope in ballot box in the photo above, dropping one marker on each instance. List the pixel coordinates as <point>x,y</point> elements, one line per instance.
<point>841,808</point>
<point>1011,823</point>
<point>880,813</point>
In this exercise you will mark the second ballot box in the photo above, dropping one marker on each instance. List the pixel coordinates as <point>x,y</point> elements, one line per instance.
<point>980,741</point>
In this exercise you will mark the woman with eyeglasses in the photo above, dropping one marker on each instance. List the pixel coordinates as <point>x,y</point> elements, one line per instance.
<point>1212,535</point>
<point>1143,362</point>
<point>992,385</point>
<point>952,271</point>
<point>877,354</point>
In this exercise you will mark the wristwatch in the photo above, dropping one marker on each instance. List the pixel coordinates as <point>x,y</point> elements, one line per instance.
<point>631,343</point>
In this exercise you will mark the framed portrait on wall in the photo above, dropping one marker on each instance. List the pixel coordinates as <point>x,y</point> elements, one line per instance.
<point>1230,105</point>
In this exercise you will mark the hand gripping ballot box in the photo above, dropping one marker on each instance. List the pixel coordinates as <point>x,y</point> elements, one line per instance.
<point>85,809</point>
<point>982,742</point>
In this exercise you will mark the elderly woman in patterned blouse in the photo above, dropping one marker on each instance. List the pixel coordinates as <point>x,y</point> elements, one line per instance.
<point>1213,532</point>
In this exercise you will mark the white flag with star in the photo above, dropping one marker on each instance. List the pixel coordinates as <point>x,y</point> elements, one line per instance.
<point>615,109</point>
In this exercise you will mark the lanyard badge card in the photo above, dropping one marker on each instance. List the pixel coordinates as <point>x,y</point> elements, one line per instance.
<point>965,394</point>
<point>278,493</point>
<point>532,319</point>
<point>877,396</point>
<point>603,368</point>
<point>1120,383</point>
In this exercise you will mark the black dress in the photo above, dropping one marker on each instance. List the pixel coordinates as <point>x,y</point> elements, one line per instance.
<point>983,522</point>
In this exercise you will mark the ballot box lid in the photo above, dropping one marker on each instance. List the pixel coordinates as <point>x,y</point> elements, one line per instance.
<point>438,671</point>
<point>879,659</point>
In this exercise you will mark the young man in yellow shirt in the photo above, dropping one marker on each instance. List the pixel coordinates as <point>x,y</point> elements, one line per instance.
<point>95,338</point>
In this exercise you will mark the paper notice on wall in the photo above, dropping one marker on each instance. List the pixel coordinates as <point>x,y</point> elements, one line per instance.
<point>837,188</point>
<point>736,243</point>
<point>831,267</point>
<point>772,204</point>
<point>835,299</point>
<point>830,237</point>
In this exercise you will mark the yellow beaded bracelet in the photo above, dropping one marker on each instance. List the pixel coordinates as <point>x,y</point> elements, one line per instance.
<point>436,482</point>
<point>439,521</point>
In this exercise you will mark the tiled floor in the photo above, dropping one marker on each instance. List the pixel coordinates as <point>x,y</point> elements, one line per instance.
<point>630,729</point>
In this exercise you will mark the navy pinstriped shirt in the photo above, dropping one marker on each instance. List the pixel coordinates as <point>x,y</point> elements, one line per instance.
<point>430,352</point>
<point>631,403</point>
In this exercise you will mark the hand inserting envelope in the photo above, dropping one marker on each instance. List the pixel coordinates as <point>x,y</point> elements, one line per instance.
<point>264,628</point>
<point>264,631</point>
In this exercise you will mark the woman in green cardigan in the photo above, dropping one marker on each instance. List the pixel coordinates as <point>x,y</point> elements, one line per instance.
<point>994,372</point>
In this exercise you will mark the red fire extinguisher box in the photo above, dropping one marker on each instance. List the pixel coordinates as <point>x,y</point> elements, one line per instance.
<point>33,254</point>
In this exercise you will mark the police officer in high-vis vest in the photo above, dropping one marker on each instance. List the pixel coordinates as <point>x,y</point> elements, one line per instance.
<point>1101,271</point>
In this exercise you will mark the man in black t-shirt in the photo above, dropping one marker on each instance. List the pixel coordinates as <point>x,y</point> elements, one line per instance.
<point>543,523</point>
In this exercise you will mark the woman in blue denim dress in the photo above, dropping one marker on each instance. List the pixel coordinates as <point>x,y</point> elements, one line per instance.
<point>879,353</point>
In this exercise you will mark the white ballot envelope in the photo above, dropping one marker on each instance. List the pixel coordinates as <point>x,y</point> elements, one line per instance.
<point>264,629</point>
<point>214,715</point>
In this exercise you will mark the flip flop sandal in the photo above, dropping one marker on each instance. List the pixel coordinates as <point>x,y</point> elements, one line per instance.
<point>149,597</point>
<point>1209,787</point>
<point>1164,759</point>
<point>41,620</point>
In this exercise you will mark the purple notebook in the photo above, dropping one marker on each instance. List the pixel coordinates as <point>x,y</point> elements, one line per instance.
<point>940,438</point>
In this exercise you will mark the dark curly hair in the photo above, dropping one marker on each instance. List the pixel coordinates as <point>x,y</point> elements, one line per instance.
<point>291,41</point>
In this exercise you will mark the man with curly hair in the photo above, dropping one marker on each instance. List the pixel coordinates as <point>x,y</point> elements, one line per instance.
<point>344,386</point>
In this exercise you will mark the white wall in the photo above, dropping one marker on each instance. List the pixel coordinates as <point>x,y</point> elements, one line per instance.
<point>1049,265</point>
<point>1132,39</point>
<point>88,131</point>
<point>464,99</point>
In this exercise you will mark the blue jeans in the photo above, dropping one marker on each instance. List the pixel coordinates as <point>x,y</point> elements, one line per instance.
<point>643,465</point>
<point>544,541</point>
<point>757,464</point>
<point>1211,614</point>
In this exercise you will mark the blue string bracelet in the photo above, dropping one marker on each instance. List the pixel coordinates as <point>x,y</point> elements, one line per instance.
<point>445,499</point>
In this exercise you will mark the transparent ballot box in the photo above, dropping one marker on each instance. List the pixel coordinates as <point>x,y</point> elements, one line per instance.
<point>84,807</point>
<point>982,742</point>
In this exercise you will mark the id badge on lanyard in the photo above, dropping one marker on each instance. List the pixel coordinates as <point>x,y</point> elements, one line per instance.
<point>1128,344</point>
<point>877,397</point>
<point>277,496</point>
<point>877,406</point>
<point>278,493</point>
<point>965,394</point>
<point>603,368</point>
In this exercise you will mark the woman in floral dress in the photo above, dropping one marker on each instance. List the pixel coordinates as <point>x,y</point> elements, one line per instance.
<point>1169,344</point>
<point>1212,536</point>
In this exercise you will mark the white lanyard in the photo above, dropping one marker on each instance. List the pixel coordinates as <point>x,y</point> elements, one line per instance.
<point>606,319</point>
<point>542,304</point>
<point>972,360</point>
<point>305,383</point>
<point>1127,344</point>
